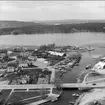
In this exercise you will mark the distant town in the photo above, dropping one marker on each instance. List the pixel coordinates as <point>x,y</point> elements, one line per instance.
<point>45,64</point>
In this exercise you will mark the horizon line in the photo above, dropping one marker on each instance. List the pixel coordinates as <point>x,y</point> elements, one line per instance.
<point>53,20</point>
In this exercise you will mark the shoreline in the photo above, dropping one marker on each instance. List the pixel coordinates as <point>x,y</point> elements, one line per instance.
<point>97,94</point>
<point>49,33</point>
<point>63,72</point>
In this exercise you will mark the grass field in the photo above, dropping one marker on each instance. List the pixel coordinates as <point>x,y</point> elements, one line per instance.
<point>4,94</point>
<point>92,77</point>
<point>23,95</point>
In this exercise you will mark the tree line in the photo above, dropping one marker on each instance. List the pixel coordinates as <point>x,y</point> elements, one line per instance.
<point>62,28</point>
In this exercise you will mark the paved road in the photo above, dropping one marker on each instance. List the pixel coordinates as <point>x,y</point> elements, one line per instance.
<point>65,85</point>
<point>83,85</point>
<point>52,74</point>
<point>38,86</point>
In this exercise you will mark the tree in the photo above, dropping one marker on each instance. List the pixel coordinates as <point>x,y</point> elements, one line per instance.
<point>5,58</point>
<point>15,32</point>
<point>46,71</point>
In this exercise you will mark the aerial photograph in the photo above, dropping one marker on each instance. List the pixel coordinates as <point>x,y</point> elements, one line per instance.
<point>52,52</point>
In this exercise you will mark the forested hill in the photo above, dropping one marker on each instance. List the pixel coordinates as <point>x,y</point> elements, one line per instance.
<point>15,27</point>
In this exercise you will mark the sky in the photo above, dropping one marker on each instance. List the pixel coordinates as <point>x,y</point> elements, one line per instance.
<point>51,10</point>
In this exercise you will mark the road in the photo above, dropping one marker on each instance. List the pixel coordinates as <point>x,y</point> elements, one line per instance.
<point>52,73</point>
<point>46,86</point>
<point>32,86</point>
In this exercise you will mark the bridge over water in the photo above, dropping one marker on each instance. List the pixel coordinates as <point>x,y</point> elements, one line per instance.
<point>83,85</point>
<point>46,86</point>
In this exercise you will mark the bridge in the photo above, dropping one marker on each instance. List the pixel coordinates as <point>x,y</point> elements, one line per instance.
<point>33,86</point>
<point>83,86</point>
<point>80,85</point>
<point>46,86</point>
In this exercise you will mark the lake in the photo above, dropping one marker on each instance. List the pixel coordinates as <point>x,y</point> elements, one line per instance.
<point>76,39</point>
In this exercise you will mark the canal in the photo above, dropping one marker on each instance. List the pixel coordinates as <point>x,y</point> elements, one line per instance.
<point>70,77</point>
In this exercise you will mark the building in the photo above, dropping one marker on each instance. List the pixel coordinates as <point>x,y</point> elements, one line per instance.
<point>10,69</point>
<point>23,64</point>
<point>4,65</point>
<point>9,52</point>
<point>56,53</point>
<point>33,58</point>
<point>2,56</point>
<point>43,80</point>
<point>100,66</point>
<point>14,57</point>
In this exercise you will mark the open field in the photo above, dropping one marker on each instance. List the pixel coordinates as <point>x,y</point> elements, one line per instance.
<point>93,77</point>
<point>26,96</point>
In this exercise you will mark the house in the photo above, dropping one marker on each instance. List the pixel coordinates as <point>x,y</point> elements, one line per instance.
<point>10,69</point>
<point>4,65</point>
<point>14,57</point>
<point>9,52</point>
<point>2,55</point>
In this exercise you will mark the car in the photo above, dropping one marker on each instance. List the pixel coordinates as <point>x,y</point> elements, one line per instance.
<point>75,95</point>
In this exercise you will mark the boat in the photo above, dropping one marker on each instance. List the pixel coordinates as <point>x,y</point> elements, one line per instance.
<point>55,99</point>
<point>72,103</point>
<point>75,95</point>
<point>88,66</point>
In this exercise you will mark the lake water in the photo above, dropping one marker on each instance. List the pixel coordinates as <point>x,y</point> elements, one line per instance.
<point>76,39</point>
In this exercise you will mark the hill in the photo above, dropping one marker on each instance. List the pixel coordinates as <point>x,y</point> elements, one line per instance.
<point>69,21</point>
<point>13,24</point>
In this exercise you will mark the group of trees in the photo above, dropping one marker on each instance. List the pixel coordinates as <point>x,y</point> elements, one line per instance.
<point>47,47</point>
<point>3,50</point>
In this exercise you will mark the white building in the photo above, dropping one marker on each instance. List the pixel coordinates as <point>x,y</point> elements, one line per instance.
<point>32,58</point>
<point>56,53</point>
<point>9,52</point>
<point>100,66</point>
<point>10,69</point>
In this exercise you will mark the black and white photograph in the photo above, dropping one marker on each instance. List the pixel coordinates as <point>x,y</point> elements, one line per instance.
<point>52,52</point>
